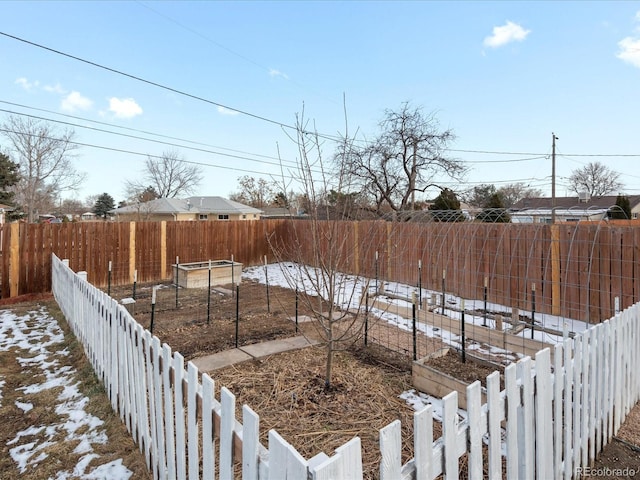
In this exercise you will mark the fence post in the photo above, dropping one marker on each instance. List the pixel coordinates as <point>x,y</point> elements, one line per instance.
<point>132,252</point>
<point>555,269</point>
<point>14,260</point>
<point>163,250</point>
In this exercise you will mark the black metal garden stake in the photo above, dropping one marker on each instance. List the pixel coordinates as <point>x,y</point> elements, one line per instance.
<point>486,283</point>
<point>177,270</point>
<point>209,295</point>
<point>533,307</point>
<point>153,308</point>
<point>237,312</point>
<point>464,350</point>
<point>444,276</point>
<point>415,331</point>
<point>266,276</point>
<point>135,281</point>
<point>420,283</point>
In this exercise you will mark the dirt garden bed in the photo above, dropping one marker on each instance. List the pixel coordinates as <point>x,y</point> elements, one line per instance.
<point>287,390</point>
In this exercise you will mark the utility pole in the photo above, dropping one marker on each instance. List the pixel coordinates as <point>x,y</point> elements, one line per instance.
<point>553,177</point>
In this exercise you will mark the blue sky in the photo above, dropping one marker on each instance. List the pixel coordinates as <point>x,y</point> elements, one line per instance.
<point>502,75</point>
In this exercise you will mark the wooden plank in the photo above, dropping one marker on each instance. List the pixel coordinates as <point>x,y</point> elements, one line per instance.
<point>192,423</point>
<point>495,406</point>
<point>586,379</point>
<point>208,441</point>
<point>449,436</point>
<point>163,250</point>
<point>526,429</point>
<point>14,260</point>
<point>423,442</point>
<point>475,420</point>
<point>513,405</point>
<point>250,443</point>
<point>544,433</point>
<point>555,269</point>
<point>169,413</point>
<point>158,404</point>
<point>391,451</point>
<point>181,446</point>
<point>153,423</point>
<point>558,386</point>
<point>227,422</point>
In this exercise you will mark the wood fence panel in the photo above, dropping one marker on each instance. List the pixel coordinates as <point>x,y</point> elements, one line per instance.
<point>626,274</point>
<point>605,274</point>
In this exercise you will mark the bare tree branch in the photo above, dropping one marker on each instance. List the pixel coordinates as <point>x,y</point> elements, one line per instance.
<point>45,158</point>
<point>170,176</point>
<point>596,179</point>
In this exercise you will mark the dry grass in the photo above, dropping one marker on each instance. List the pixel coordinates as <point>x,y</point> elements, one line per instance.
<point>288,392</point>
<point>60,453</point>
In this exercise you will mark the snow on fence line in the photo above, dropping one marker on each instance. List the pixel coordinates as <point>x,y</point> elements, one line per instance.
<point>549,422</point>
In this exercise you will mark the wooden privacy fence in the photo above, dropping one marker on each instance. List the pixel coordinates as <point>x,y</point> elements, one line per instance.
<point>550,421</point>
<point>585,272</point>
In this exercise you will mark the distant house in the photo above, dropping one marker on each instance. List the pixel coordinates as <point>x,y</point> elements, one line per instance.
<point>569,209</point>
<point>88,216</point>
<point>4,209</point>
<point>188,209</point>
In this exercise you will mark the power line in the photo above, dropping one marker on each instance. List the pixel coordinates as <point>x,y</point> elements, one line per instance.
<point>149,82</point>
<point>148,139</point>
<point>130,152</point>
<point>138,130</point>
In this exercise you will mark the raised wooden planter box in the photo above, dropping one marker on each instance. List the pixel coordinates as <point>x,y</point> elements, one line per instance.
<point>438,384</point>
<point>196,274</point>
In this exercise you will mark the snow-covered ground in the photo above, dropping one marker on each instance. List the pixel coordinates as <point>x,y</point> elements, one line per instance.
<point>349,294</point>
<point>35,337</point>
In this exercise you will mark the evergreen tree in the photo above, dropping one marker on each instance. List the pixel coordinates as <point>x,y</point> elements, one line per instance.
<point>9,176</point>
<point>446,207</point>
<point>622,209</point>
<point>104,203</point>
<point>494,211</point>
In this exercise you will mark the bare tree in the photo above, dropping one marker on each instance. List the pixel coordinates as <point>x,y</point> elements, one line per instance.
<point>323,253</point>
<point>45,158</point>
<point>407,157</point>
<point>170,175</point>
<point>257,193</point>
<point>514,192</point>
<point>140,197</point>
<point>596,179</point>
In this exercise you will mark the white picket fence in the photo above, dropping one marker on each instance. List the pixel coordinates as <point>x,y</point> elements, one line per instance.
<point>550,421</point>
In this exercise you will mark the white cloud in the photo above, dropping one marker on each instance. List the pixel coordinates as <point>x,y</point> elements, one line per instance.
<point>629,51</point>
<point>226,111</point>
<point>507,33</point>
<point>124,107</point>
<point>277,73</point>
<point>26,84</point>
<point>630,46</point>
<point>75,101</point>
<point>57,88</point>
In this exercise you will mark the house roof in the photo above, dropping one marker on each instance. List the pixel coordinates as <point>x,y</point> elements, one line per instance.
<point>199,205</point>
<point>573,203</point>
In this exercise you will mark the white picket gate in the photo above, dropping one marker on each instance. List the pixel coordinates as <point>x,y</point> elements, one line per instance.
<point>548,422</point>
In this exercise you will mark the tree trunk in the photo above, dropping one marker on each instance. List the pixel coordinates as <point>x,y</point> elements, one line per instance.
<point>330,347</point>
